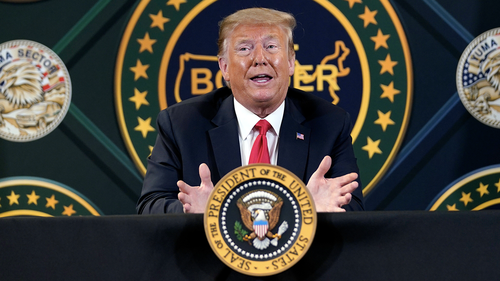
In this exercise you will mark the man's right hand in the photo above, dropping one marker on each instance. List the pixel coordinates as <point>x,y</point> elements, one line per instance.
<point>194,198</point>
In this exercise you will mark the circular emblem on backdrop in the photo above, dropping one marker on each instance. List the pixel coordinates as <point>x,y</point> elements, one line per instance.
<point>478,78</point>
<point>478,190</point>
<point>35,90</point>
<point>356,57</point>
<point>30,196</point>
<point>260,219</point>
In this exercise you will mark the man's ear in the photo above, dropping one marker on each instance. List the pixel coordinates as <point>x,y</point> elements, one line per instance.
<point>291,65</point>
<point>223,65</point>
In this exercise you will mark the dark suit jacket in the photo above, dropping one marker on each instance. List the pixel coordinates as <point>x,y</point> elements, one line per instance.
<point>205,130</point>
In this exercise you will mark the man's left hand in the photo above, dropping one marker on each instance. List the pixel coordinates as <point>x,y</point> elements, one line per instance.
<point>194,198</point>
<point>330,194</point>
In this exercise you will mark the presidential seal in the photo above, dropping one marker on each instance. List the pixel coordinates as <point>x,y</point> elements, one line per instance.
<point>478,190</point>
<point>39,197</point>
<point>35,90</point>
<point>260,219</point>
<point>356,56</point>
<point>478,78</point>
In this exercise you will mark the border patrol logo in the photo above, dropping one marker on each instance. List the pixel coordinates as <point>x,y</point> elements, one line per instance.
<point>260,219</point>
<point>30,196</point>
<point>478,78</point>
<point>356,57</point>
<point>35,90</point>
<point>478,190</point>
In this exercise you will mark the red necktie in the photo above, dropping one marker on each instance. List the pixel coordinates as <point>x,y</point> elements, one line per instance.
<point>260,151</point>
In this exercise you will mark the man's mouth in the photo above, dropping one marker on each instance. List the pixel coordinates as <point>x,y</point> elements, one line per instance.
<point>261,78</point>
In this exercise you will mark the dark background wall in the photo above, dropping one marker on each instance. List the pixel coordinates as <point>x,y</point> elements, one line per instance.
<point>86,152</point>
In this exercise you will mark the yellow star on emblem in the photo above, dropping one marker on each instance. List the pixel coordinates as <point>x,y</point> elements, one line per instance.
<point>483,189</point>
<point>68,211</point>
<point>33,198</point>
<point>146,43</point>
<point>372,147</point>
<point>466,198</point>
<point>380,40</point>
<point>368,17</point>
<point>139,98</point>
<point>139,70</point>
<point>498,186</point>
<point>452,207</point>
<point>387,65</point>
<point>176,3</point>
<point>144,126</point>
<point>158,20</point>
<point>352,2</point>
<point>384,119</point>
<point>150,149</point>
<point>51,202</point>
<point>389,91</point>
<point>13,198</point>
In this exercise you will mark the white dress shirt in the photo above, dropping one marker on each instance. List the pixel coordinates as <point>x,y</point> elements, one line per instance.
<point>247,134</point>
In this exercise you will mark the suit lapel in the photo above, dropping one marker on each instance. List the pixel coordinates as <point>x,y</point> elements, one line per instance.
<point>224,138</point>
<point>293,150</point>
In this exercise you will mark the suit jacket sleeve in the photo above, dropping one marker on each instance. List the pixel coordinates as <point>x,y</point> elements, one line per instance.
<point>344,162</point>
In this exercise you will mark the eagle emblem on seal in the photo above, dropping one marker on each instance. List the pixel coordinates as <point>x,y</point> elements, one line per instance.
<point>260,212</point>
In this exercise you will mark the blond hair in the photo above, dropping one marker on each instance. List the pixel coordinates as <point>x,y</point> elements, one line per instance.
<point>256,16</point>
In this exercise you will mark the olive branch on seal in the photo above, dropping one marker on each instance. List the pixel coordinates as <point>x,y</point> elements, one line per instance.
<point>239,231</point>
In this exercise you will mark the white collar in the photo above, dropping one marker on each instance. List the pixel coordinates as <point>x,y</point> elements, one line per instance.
<point>247,119</point>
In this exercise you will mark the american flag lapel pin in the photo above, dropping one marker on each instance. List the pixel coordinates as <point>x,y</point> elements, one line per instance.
<point>300,136</point>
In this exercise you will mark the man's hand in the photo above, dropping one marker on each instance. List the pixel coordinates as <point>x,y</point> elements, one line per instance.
<point>194,198</point>
<point>331,194</point>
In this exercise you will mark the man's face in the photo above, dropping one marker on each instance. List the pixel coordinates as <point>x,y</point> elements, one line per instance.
<point>258,66</point>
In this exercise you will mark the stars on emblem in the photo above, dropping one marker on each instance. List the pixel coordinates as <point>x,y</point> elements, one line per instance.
<point>380,40</point>
<point>466,198</point>
<point>24,194</point>
<point>176,3</point>
<point>483,189</point>
<point>368,17</point>
<point>473,192</point>
<point>384,119</point>
<point>144,126</point>
<point>139,70</point>
<point>146,48</point>
<point>372,147</point>
<point>51,202</point>
<point>389,91</point>
<point>158,20</point>
<point>381,44</point>
<point>139,98</point>
<point>352,2</point>
<point>146,43</point>
<point>33,198</point>
<point>387,65</point>
<point>13,198</point>
<point>68,211</point>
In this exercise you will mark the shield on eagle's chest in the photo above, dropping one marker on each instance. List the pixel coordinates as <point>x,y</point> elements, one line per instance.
<point>260,228</point>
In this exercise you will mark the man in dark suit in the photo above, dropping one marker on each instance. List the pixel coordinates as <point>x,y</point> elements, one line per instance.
<point>203,138</point>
